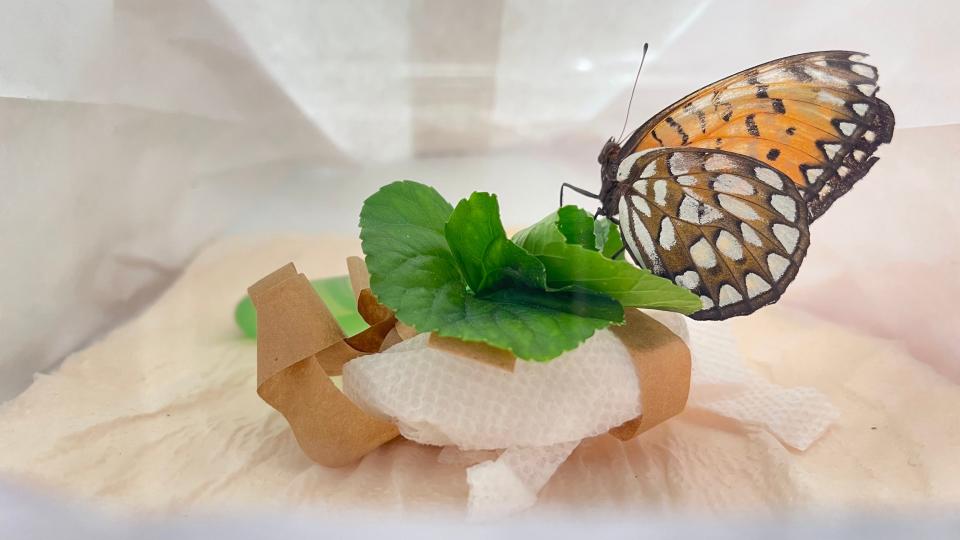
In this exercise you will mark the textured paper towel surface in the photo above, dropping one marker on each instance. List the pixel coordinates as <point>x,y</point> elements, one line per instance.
<point>722,384</point>
<point>441,399</point>
<point>162,415</point>
<point>512,482</point>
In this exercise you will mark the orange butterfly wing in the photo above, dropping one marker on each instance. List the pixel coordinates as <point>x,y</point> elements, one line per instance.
<point>814,117</point>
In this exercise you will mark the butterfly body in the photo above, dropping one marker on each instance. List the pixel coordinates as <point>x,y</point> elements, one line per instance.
<point>717,191</point>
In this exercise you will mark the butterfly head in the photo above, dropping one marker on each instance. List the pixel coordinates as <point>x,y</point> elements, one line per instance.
<point>610,152</point>
<point>609,163</point>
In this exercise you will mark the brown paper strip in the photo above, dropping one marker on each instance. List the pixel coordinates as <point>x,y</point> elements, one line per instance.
<point>480,352</point>
<point>391,339</point>
<point>359,276</point>
<point>662,362</point>
<point>294,331</point>
<point>371,309</point>
<point>405,331</point>
<point>295,326</point>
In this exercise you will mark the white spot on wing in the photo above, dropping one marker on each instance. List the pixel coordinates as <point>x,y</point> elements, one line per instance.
<point>870,136</point>
<point>623,171</point>
<point>689,210</point>
<point>847,128</point>
<point>707,302</point>
<point>856,58</point>
<point>641,205</point>
<point>768,177</point>
<point>825,77</point>
<point>861,108</point>
<point>732,184</point>
<point>867,89</point>
<point>831,150</point>
<point>694,211</point>
<point>687,180</point>
<point>756,285</point>
<point>668,237</point>
<point>843,171</point>
<point>689,279</point>
<point>750,235</point>
<point>737,207</point>
<point>777,264</point>
<point>775,76</point>
<point>813,175</point>
<point>682,162</point>
<point>730,246</point>
<point>660,192</point>
<point>632,231</point>
<point>703,255</point>
<point>787,235</point>
<point>729,295</point>
<point>859,155</point>
<point>863,69</point>
<point>830,98</point>
<point>718,162</point>
<point>710,214</point>
<point>785,205</point>
<point>649,170</point>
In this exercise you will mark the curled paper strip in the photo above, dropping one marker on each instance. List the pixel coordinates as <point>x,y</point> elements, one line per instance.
<point>300,345</point>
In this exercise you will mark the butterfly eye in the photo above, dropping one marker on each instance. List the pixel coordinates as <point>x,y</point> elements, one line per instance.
<point>610,152</point>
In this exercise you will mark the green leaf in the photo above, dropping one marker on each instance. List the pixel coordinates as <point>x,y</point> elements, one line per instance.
<point>568,265</point>
<point>573,299</point>
<point>541,233</point>
<point>608,238</point>
<point>414,272</point>
<point>486,257</point>
<point>572,223</point>
<point>522,324</point>
<point>335,292</point>
<point>577,226</point>
<point>572,265</point>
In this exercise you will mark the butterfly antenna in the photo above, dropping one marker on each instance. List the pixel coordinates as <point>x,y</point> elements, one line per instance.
<point>632,92</point>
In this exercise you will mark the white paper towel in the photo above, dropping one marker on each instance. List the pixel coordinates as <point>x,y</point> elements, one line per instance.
<point>441,399</point>
<point>539,413</point>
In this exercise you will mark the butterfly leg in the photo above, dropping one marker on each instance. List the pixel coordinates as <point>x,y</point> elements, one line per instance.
<point>599,212</point>
<point>581,191</point>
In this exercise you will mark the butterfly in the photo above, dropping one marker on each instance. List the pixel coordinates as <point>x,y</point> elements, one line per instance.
<point>717,191</point>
